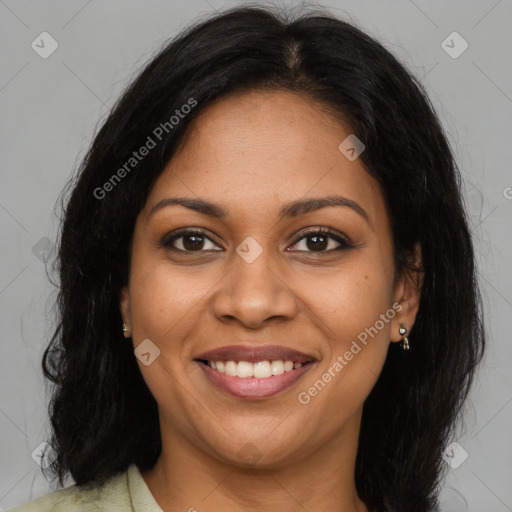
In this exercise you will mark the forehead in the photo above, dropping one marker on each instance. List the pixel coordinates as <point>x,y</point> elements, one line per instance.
<point>257,149</point>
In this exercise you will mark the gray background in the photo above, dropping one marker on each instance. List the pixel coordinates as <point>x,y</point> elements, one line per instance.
<point>51,107</point>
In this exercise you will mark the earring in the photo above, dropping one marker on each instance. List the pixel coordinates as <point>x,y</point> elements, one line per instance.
<point>125,329</point>
<point>403,331</point>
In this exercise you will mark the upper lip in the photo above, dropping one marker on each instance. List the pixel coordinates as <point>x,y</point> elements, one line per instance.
<point>253,354</point>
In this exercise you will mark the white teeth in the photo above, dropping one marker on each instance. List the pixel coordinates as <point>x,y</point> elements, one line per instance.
<point>231,368</point>
<point>244,369</point>
<point>277,367</point>
<point>259,370</point>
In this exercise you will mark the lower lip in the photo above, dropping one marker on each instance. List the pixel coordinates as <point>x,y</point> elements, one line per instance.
<point>252,387</point>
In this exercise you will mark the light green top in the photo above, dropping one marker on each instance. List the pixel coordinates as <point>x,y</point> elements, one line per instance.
<point>124,492</point>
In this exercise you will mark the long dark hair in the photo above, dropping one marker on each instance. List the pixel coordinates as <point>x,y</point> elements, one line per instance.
<point>103,415</point>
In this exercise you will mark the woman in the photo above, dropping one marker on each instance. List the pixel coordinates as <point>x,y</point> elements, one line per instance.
<point>268,289</point>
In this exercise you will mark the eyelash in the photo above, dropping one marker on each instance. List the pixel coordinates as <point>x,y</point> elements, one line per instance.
<point>344,244</point>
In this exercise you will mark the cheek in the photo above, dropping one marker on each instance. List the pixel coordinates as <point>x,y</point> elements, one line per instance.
<point>165,310</point>
<point>162,296</point>
<point>347,299</point>
<point>348,306</point>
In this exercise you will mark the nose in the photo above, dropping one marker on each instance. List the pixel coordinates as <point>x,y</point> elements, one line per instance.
<point>253,293</point>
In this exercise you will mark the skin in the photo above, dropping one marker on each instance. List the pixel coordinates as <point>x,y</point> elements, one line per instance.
<point>251,153</point>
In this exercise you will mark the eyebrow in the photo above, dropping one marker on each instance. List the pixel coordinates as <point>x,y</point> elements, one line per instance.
<point>289,210</point>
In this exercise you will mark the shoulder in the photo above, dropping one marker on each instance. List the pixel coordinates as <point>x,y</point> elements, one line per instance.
<point>112,496</point>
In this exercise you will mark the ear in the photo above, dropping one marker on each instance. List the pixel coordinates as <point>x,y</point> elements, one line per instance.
<point>407,295</point>
<point>124,306</point>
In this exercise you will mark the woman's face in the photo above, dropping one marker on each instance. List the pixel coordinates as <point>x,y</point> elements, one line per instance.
<point>262,285</point>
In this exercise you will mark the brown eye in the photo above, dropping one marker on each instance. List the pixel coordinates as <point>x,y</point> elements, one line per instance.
<point>192,242</point>
<point>321,241</point>
<point>189,241</point>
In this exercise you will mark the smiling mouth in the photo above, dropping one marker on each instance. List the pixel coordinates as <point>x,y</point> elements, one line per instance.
<point>259,370</point>
<point>259,380</point>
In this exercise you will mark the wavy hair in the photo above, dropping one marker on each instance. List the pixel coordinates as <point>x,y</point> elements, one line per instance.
<point>103,416</point>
